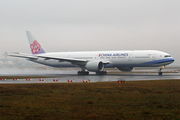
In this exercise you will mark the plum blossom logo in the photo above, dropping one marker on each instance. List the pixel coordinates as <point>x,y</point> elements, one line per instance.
<point>35,47</point>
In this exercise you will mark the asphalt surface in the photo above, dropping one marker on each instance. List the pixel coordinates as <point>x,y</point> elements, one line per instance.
<point>65,78</point>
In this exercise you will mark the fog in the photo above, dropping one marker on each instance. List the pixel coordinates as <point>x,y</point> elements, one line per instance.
<point>83,25</point>
<point>9,70</point>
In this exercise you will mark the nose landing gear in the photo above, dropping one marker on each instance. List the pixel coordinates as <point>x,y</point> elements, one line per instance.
<point>160,72</point>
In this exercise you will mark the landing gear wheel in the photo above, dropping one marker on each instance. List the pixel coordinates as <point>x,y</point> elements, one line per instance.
<point>83,73</point>
<point>101,73</point>
<point>159,73</point>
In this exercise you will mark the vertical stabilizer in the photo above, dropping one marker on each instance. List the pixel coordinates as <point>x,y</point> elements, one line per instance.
<point>35,47</point>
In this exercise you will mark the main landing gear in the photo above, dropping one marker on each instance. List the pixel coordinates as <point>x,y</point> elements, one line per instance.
<point>101,73</point>
<point>83,73</point>
<point>87,73</point>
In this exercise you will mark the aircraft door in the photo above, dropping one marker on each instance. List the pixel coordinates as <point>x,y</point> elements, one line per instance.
<point>130,57</point>
<point>95,56</point>
<point>154,57</point>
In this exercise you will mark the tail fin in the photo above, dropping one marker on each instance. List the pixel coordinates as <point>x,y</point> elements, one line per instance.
<point>35,47</point>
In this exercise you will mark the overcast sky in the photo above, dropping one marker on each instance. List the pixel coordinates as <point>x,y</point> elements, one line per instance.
<point>85,25</point>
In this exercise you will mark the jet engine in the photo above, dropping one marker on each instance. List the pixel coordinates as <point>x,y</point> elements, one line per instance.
<point>125,69</point>
<point>94,66</point>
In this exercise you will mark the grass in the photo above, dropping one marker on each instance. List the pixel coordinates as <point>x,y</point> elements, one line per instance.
<point>106,100</point>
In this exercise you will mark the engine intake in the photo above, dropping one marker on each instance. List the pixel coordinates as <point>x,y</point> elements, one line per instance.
<point>95,66</point>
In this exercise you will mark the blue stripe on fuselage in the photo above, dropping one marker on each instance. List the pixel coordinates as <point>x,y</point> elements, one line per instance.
<point>154,63</point>
<point>160,61</point>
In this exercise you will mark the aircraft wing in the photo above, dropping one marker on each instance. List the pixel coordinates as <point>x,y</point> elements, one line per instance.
<point>62,59</point>
<point>69,59</point>
<point>21,55</point>
<point>106,62</point>
<point>31,56</point>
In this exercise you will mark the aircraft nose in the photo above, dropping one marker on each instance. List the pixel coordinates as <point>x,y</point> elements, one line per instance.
<point>172,59</point>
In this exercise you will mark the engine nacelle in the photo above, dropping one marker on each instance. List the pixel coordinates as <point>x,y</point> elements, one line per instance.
<point>125,69</point>
<point>95,66</point>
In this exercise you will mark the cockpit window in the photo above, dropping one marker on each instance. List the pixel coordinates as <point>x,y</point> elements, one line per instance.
<point>167,56</point>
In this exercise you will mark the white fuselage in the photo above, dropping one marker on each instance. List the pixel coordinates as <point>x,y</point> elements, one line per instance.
<point>131,58</point>
<point>95,61</point>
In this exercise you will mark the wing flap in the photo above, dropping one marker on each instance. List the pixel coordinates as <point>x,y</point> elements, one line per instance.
<point>63,59</point>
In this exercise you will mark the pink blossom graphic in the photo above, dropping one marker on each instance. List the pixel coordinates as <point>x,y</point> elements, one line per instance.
<point>35,47</point>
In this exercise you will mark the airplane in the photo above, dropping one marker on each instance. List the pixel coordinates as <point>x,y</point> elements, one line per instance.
<point>96,61</point>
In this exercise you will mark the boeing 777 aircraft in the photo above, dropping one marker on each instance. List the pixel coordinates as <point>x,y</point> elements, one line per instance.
<point>96,61</point>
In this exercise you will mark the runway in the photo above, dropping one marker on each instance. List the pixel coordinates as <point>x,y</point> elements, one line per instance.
<point>65,78</point>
